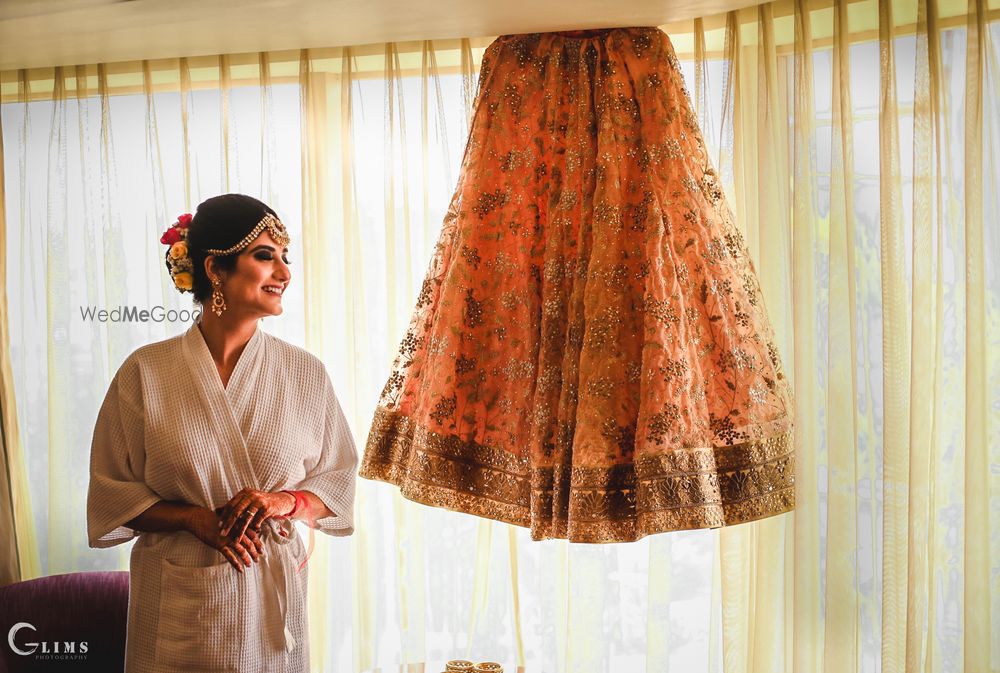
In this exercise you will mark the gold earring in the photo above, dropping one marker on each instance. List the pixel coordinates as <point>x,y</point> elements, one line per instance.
<point>218,301</point>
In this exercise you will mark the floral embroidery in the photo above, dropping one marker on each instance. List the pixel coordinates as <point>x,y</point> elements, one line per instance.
<point>473,316</point>
<point>589,355</point>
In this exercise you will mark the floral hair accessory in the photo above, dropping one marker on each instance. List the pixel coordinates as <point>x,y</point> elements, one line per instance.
<point>178,260</point>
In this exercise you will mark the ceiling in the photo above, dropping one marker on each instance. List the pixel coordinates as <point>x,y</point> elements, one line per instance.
<point>36,33</point>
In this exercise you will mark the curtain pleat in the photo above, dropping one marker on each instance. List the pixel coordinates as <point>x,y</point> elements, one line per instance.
<point>807,615</point>
<point>58,314</point>
<point>895,356</point>
<point>113,290</point>
<point>268,141</point>
<point>978,632</point>
<point>841,631</point>
<point>16,455</point>
<point>184,68</point>
<point>13,485</point>
<point>226,148</point>
<point>10,570</point>
<point>925,339</point>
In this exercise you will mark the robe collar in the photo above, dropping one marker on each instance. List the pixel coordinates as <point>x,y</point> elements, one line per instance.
<point>222,404</point>
<point>194,342</point>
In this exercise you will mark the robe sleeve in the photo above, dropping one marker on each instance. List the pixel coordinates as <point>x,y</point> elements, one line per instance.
<point>117,492</point>
<point>333,475</point>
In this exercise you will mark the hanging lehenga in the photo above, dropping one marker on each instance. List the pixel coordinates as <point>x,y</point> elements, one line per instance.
<point>589,356</point>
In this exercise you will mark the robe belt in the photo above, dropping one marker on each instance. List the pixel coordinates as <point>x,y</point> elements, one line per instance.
<point>278,576</point>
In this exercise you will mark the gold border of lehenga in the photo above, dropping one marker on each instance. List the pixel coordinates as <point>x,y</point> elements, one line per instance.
<point>685,488</point>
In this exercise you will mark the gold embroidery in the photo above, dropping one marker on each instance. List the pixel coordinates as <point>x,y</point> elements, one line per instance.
<point>589,355</point>
<point>695,487</point>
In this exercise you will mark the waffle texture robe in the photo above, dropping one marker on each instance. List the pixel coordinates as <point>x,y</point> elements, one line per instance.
<point>169,430</point>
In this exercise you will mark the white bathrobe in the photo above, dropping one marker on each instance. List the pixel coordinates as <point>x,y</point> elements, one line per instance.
<point>169,430</point>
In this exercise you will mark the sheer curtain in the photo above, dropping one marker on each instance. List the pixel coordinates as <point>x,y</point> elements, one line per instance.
<point>859,145</point>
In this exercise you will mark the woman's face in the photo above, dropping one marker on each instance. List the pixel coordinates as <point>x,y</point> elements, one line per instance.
<point>255,286</point>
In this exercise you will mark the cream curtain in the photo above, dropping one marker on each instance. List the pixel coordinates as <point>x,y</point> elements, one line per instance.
<point>13,512</point>
<point>859,145</point>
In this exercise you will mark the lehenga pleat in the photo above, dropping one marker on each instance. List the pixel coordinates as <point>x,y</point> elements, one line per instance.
<point>589,356</point>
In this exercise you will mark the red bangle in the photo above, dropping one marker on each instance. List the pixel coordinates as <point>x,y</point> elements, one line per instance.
<point>301,503</point>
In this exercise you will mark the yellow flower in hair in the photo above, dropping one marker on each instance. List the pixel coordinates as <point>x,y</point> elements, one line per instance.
<point>178,250</point>
<point>183,280</point>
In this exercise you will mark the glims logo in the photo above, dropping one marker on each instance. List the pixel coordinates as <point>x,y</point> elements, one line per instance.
<point>48,650</point>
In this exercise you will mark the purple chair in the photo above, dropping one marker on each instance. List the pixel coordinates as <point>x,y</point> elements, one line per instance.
<point>73,622</point>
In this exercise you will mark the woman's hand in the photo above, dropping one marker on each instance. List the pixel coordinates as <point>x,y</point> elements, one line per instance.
<point>204,524</point>
<point>249,508</point>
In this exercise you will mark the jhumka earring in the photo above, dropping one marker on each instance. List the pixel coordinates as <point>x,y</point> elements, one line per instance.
<point>218,301</point>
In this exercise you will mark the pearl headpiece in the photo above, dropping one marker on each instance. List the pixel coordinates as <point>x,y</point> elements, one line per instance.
<point>269,222</point>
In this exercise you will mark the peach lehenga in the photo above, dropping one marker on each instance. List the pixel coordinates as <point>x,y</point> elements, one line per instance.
<point>589,355</point>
